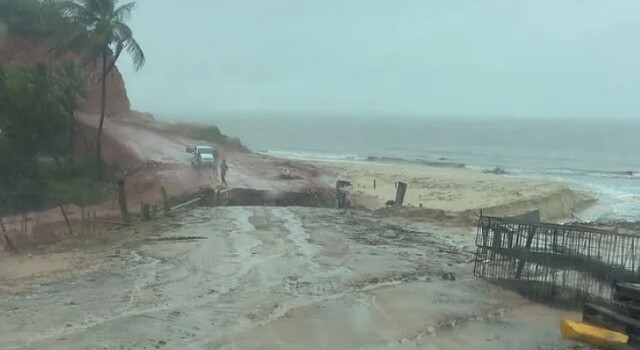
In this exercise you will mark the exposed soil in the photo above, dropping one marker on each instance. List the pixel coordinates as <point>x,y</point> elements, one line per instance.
<point>265,278</point>
<point>151,155</point>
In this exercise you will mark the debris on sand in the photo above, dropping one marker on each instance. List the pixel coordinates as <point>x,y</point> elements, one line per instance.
<point>448,276</point>
<point>496,171</point>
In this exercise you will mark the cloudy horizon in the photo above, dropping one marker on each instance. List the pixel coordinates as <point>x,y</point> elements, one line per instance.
<point>509,58</point>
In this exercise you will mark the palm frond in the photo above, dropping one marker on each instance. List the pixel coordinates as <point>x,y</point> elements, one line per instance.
<point>123,13</point>
<point>134,49</point>
<point>97,7</point>
<point>122,31</point>
<point>105,29</point>
<point>78,13</point>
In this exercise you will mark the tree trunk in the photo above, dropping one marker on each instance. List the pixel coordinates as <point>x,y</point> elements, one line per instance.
<point>71,132</point>
<point>103,104</point>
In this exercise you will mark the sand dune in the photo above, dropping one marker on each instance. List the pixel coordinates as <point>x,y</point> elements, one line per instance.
<point>459,191</point>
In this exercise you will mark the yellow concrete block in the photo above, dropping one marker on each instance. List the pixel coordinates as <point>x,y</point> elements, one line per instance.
<point>591,335</point>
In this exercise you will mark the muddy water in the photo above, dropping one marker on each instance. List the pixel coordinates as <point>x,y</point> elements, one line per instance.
<point>276,278</point>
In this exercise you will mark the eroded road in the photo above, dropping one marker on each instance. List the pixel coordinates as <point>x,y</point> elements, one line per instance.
<point>275,278</point>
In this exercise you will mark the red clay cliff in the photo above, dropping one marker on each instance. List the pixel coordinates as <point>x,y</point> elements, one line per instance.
<point>16,50</point>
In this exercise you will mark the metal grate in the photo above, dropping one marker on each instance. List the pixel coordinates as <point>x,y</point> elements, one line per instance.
<point>555,263</point>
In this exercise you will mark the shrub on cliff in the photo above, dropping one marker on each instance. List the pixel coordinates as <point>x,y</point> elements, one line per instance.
<point>210,134</point>
<point>39,18</point>
<point>36,139</point>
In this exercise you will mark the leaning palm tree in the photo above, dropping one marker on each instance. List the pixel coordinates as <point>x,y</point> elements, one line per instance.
<point>103,34</point>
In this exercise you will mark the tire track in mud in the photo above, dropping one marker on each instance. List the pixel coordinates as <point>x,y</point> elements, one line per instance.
<point>254,266</point>
<point>87,295</point>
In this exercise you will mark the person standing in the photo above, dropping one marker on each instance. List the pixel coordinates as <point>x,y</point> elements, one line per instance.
<point>223,172</point>
<point>214,168</point>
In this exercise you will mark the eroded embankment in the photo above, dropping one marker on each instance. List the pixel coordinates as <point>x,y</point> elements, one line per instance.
<point>559,203</point>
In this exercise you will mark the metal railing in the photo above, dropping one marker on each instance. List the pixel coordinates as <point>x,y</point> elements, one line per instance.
<point>555,263</point>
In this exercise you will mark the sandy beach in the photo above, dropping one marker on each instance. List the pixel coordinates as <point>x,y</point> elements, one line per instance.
<point>436,191</point>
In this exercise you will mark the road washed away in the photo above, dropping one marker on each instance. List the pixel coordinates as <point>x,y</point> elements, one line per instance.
<point>273,278</point>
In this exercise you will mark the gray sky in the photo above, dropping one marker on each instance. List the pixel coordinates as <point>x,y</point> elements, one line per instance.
<point>539,58</point>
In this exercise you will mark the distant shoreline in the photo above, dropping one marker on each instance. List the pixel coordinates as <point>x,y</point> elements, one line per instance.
<point>442,163</point>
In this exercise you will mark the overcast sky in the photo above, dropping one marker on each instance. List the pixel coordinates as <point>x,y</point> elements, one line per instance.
<point>539,58</point>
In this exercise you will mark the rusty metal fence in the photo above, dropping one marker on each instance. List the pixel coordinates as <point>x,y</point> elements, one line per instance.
<point>555,263</point>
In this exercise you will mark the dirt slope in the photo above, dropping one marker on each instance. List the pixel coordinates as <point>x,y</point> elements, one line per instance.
<point>152,155</point>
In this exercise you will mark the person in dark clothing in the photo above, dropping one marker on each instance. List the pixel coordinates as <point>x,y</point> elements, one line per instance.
<point>223,172</point>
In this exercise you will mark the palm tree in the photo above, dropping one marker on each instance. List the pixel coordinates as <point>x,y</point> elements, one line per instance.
<point>71,93</point>
<point>103,34</point>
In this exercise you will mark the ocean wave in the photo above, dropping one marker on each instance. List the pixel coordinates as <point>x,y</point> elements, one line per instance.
<point>564,172</point>
<point>313,156</point>
<point>444,162</point>
<point>629,174</point>
<point>397,160</point>
<point>318,156</point>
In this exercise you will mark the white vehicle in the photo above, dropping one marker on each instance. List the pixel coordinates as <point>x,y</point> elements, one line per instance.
<point>203,156</point>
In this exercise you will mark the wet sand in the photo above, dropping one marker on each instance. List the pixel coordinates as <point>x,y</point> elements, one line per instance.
<point>267,278</point>
<point>456,191</point>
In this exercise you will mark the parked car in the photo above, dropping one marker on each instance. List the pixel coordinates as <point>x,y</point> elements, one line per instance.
<point>203,156</point>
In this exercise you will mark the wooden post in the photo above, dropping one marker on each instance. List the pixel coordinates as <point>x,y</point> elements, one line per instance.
<point>122,200</point>
<point>165,199</point>
<point>82,220</point>
<point>66,219</point>
<point>8,244</point>
<point>88,221</point>
<point>402,189</point>
<point>146,212</point>
<point>94,222</point>
<point>2,225</point>
<point>374,184</point>
<point>115,195</point>
<point>340,195</point>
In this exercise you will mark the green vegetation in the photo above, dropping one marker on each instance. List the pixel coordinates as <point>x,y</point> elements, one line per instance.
<point>38,168</point>
<point>104,34</point>
<point>208,133</point>
<point>97,28</point>
<point>39,18</point>
<point>37,134</point>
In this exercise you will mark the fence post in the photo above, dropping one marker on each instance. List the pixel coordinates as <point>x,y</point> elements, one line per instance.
<point>82,220</point>
<point>122,200</point>
<point>8,244</point>
<point>341,194</point>
<point>165,199</point>
<point>88,221</point>
<point>146,212</point>
<point>2,225</point>
<point>402,189</point>
<point>66,219</point>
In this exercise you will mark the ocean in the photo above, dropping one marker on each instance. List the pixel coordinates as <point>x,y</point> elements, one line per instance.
<point>597,156</point>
